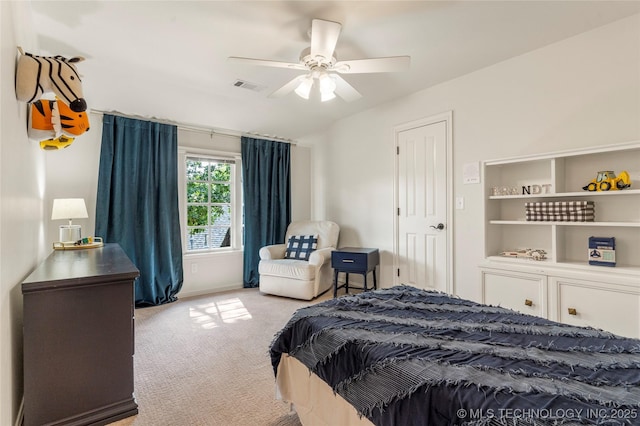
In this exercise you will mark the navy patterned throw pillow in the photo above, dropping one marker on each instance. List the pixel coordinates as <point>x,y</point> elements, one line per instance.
<point>300,246</point>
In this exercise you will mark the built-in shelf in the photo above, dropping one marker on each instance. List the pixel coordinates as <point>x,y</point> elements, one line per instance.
<point>546,223</point>
<point>564,287</point>
<point>583,266</point>
<point>560,177</point>
<point>588,194</point>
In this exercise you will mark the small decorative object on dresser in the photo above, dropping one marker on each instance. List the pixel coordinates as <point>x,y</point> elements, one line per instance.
<point>84,243</point>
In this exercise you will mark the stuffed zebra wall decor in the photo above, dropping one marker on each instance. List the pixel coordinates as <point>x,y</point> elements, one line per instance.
<point>36,75</point>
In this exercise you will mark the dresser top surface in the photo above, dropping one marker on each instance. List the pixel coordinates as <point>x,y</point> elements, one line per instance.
<point>68,266</point>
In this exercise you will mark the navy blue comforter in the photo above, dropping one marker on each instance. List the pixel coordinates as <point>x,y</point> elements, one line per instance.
<point>404,356</point>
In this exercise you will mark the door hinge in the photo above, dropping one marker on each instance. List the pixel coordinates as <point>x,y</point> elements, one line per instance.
<point>398,271</point>
<point>398,211</point>
<point>397,150</point>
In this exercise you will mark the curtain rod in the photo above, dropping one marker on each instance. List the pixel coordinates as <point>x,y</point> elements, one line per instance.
<point>195,128</point>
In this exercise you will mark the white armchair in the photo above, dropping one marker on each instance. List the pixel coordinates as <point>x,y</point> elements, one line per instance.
<point>299,279</point>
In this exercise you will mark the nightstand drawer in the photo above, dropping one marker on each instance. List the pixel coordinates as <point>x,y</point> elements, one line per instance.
<point>354,259</point>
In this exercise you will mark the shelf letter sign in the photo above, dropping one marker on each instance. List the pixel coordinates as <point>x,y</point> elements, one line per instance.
<point>535,189</point>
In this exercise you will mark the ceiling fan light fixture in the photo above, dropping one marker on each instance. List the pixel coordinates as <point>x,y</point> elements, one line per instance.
<point>320,59</point>
<point>324,97</point>
<point>327,86</point>
<point>304,88</point>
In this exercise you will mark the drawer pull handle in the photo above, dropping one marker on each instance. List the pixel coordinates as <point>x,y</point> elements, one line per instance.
<point>348,260</point>
<point>572,311</point>
<point>528,302</point>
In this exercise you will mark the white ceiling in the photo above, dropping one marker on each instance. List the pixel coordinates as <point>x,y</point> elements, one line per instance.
<point>167,59</point>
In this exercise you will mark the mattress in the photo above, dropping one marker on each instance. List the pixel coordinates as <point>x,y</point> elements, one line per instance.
<point>313,399</point>
<point>405,356</point>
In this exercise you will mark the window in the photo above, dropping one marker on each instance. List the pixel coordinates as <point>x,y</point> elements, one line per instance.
<point>210,203</point>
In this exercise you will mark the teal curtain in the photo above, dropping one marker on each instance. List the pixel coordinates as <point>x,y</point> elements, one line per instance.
<point>137,203</point>
<point>266,181</point>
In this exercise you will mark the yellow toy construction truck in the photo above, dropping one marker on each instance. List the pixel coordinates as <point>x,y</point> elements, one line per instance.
<point>607,180</point>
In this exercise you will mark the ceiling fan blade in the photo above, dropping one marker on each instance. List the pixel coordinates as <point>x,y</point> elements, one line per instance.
<point>345,90</point>
<point>361,66</point>
<point>324,36</point>
<point>266,63</point>
<point>288,87</point>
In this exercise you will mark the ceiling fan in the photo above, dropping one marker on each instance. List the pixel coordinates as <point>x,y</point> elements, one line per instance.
<point>322,66</point>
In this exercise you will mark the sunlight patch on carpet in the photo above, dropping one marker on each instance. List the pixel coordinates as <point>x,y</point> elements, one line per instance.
<point>212,315</point>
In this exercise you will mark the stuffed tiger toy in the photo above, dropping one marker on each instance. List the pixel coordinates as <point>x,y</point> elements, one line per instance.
<point>54,124</point>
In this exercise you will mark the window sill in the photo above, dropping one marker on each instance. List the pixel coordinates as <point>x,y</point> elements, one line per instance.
<point>212,253</point>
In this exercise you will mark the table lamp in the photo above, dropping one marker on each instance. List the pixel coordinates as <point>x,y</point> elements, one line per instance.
<point>69,208</point>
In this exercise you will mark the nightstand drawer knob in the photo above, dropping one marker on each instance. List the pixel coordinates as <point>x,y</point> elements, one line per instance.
<point>528,302</point>
<point>348,260</point>
<point>572,311</point>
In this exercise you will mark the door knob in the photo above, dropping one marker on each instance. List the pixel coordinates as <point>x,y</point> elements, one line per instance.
<point>440,227</point>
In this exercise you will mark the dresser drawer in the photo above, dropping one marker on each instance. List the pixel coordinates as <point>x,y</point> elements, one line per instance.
<point>354,259</point>
<point>519,291</point>
<point>587,304</point>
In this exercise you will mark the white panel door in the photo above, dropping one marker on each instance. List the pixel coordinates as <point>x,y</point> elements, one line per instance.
<point>422,206</point>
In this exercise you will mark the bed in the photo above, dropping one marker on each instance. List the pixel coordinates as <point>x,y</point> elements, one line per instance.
<point>405,356</point>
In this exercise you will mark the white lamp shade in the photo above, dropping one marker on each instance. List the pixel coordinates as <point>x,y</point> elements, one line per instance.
<point>304,88</point>
<point>327,96</point>
<point>69,208</point>
<point>327,87</point>
<point>327,84</point>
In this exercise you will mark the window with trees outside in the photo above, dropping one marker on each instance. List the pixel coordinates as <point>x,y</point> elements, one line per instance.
<point>210,185</point>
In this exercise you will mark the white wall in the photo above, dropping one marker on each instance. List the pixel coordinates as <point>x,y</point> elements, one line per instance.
<point>300,182</point>
<point>581,92</point>
<point>72,172</point>
<point>22,191</point>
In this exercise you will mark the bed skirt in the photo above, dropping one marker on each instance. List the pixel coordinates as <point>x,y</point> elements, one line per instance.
<point>313,399</point>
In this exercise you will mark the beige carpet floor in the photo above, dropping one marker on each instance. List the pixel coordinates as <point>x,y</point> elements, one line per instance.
<point>205,361</point>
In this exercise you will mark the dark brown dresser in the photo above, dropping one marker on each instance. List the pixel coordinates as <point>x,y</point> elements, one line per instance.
<point>79,338</point>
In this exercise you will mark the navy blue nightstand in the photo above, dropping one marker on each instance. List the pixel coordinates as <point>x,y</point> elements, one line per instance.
<point>354,260</point>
